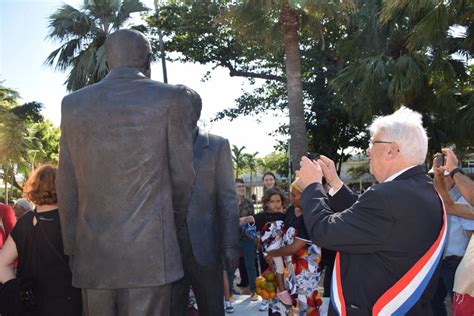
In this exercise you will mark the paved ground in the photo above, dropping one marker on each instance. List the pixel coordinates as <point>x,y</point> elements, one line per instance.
<point>243,306</point>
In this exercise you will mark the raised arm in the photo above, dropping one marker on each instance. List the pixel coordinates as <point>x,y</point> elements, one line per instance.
<point>452,208</point>
<point>361,228</point>
<point>464,183</point>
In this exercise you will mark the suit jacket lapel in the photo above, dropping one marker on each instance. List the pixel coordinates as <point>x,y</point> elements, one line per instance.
<point>200,146</point>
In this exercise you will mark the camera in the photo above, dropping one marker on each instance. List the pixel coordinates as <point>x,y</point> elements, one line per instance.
<point>439,160</point>
<point>312,155</point>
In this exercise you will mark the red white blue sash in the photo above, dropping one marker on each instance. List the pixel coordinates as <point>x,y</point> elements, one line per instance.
<point>401,297</point>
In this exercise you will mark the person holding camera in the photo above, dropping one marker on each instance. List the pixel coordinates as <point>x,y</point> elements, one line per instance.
<point>462,181</point>
<point>389,240</point>
<point>43,281</point>
<point>459,232</point>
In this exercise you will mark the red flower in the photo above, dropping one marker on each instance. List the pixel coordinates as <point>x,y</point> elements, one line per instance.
<point>300,266</point>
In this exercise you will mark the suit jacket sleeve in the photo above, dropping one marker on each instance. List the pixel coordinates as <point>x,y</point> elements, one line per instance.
<point>180,151</point>
<point>363,227</point>
<point>343,199</point>
<point>66,189</point>
<point>228,207</point>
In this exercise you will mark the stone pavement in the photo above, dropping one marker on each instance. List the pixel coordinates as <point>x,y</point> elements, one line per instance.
<point>244,306</point>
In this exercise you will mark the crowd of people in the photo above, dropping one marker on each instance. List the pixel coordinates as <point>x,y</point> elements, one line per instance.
<point>143,210</point>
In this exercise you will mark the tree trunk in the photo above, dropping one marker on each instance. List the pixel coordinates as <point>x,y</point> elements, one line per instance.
<point>162,45</point>
<point>251,184</point>
<point>298,136</point>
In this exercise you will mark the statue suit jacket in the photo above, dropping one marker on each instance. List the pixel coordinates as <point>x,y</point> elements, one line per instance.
<point>125,166</point>
<point>379,235</point>
<point>213,215</point>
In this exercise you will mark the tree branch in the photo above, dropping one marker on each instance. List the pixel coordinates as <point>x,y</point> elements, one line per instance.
<point>239,73</point>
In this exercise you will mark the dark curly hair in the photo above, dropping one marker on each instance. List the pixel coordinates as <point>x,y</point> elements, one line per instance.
<point>271,192</point>
<point>40,188</point>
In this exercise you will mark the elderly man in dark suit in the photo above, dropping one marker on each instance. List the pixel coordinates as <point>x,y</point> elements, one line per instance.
<point>124,183</point>
<point>210,239</point>
<point>389,240</point>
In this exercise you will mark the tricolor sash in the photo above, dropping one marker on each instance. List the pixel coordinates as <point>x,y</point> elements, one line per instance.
<point>401,297</point>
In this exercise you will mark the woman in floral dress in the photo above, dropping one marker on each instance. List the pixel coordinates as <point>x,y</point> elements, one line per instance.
<point>302,260</point>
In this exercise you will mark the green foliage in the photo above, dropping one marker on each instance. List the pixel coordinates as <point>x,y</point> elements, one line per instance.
<point>200,33</point>
<point>359,171</point>
<point>358,59</point>
<point>412,60</point>
<point>26,139</point>
<point>276,162</point>
<point>82,34</point>
<point>238,159</point>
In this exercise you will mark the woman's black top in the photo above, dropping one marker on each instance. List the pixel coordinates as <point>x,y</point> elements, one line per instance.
<point>47,267</point>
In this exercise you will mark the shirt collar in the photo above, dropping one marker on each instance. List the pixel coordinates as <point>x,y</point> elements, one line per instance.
<point>393,176</point>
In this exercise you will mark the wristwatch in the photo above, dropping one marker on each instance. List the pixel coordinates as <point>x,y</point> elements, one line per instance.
<point>454,171</point>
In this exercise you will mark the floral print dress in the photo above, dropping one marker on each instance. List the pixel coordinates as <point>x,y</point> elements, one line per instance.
<point>304,271</point>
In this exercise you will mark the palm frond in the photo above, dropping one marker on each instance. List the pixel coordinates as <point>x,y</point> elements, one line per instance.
<point>406,81</point>
<point>430,29</point>
<point>128,7</point>
<point>68,22</point>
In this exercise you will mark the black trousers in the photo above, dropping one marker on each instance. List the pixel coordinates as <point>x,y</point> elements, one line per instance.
<point>207,283</point>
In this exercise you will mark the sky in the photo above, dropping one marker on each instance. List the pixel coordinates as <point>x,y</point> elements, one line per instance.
<point>24,47</point>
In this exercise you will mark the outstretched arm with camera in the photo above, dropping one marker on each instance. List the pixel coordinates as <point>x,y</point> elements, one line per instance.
<point>463,182</point>
<point>452,208</point>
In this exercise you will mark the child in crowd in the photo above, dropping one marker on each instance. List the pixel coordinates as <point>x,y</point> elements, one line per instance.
<point>269,224</point>
<point>303,258</point>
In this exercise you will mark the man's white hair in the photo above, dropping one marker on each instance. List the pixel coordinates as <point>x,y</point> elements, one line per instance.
<point>404,127</point>
<point>25,204</point>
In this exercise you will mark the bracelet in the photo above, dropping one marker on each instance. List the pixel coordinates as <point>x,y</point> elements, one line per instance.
<point>454,171</point>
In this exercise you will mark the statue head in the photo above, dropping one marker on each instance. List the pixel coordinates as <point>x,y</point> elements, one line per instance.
<point>128,48</point>
<point>196,103</point>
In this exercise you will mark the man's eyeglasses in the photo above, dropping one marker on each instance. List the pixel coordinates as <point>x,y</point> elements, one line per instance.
<point>240,185</point>
<point>372,142</point>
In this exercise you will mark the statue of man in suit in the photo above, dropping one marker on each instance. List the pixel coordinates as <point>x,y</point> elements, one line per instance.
<point>124,183</point>
<point>209,241</point>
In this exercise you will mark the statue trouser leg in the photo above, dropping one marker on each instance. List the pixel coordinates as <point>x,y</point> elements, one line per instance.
<point>126,302</point>
<point>207,283</point>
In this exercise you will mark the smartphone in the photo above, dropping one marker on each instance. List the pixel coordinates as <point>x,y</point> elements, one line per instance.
<point>439,160</point>
<point>312,156</point>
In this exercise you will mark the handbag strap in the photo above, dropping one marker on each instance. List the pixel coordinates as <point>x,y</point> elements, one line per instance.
<point>47,239</point>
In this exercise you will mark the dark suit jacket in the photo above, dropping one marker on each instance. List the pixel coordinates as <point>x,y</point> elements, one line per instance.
<point>125,165</point>
<point>213,214</point>
<point>380,235</point>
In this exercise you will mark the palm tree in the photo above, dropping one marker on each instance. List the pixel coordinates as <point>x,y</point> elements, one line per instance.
<point>402,53</point>
<point>82,34</point>
<point>251,162</point>
<point>238,158</point>
<point>160,40</point>
<point>273,21</point>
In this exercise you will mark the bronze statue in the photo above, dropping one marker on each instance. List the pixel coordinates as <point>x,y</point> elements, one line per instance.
<point>124,183</point>
<point>210,239</point>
